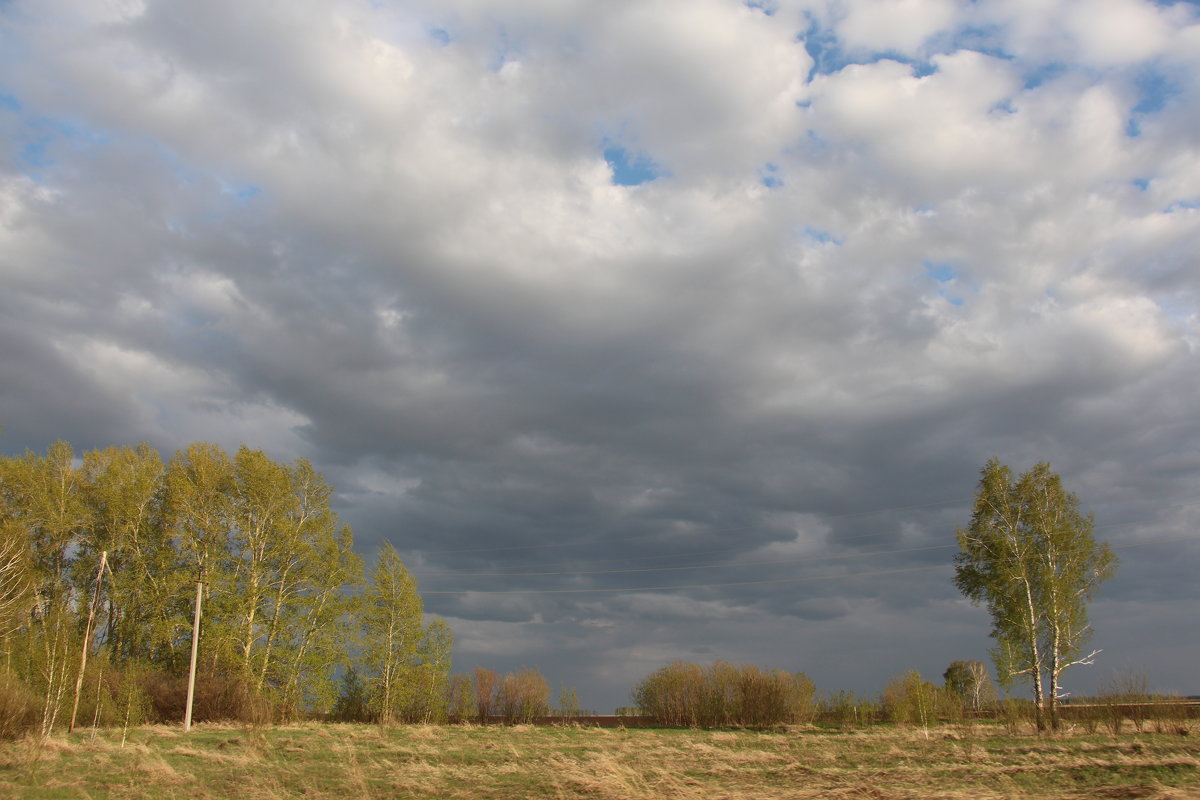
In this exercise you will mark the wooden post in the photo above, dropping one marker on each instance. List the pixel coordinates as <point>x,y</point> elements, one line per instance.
<point>87,639</point>
<point>187,717</point>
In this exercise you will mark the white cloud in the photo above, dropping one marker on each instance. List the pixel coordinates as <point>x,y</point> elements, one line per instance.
<point>1117,31</point>
<point>900,26</point>
<point>323,229</point>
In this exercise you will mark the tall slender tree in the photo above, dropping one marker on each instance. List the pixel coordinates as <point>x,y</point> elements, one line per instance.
<point>200,504</point>
<point>392,632</point>
<point>123,488</point>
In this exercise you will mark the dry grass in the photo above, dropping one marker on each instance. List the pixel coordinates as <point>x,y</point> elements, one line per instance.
<point>357,761</point>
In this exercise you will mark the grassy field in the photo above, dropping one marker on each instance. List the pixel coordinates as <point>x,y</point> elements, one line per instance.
<point>359,761</point>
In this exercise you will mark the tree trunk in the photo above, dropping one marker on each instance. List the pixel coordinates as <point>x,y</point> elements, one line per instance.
<point>87,641</point>
<point>1035,669</point>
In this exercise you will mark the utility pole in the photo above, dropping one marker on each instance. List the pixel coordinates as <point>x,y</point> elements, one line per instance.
<point>87,639</point>
<point>187,717</point>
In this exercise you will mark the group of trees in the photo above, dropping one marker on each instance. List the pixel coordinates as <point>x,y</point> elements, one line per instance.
<point>101,554</point>
<point>110,554</point>
<point>485,696</point>
<point>721,693</point>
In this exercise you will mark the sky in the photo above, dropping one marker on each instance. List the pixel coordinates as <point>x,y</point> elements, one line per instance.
<point>644,330</point>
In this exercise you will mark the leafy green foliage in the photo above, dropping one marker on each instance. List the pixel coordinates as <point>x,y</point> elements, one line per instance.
<point>1029,555</point>
<point>283,588</point>
<point>971,683</point>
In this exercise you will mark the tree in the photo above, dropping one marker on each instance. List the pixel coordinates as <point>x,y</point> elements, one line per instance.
<point>433,672</point>
<point>16,581</point>
<point>392,632</point>
<point>568,702</point>
<point>485,692</point>
<point>199,501</point>
<point>123,489</point>
<point>908,698</point>
<point>523,696</point>
<point>971,683</point>
<point>1030,556</point>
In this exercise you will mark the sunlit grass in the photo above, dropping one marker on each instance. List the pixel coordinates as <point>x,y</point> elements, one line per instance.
<point>360,761</point>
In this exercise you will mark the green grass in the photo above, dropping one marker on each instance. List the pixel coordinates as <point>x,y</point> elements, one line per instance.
<point>359,761</point>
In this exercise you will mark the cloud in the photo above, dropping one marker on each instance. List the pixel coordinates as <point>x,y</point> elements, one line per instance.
<point>389,239</point>
<point>900,27</point>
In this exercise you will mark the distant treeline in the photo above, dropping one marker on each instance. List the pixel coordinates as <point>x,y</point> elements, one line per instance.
<point>721,694</point>
<point>288,612</point>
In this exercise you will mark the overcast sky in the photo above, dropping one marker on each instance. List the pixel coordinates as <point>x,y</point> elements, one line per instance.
<point>644,329</point>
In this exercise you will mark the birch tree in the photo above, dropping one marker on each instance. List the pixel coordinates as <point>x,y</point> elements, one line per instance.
<point>123,489</point>
<point>1029,555</point>
<point>200,504</point>
<point>392,632</point>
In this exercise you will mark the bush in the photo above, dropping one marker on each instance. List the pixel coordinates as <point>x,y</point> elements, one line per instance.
<point>460,699</point>
<point>721,694</point>
<point>218,698</point>
<point>849,710</point>
<point>522,696</point>
<point>485,692</point>
<point>19,712</point>
<point>1015,713</point>
<point>352,704</point>
<point>911,700</point>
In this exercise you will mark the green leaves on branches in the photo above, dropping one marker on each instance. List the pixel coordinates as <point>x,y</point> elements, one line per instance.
<point>1030,556</point>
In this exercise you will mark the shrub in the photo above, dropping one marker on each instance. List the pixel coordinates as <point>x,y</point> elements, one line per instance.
<point>721,693</point>
<point>460,699</point>
<point>351,704</point>
<point>522,696</point>
<point>19,712</point>
<point>911,700</point>
<point>485,692</point>
<point>218,698</point>
<point>849,710</point>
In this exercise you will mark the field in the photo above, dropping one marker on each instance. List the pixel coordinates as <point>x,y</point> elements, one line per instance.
<point>360,761</point>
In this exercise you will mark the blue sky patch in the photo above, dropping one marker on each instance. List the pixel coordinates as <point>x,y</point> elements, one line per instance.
<point>921,69</point>
<point>824,48</point>
<point>822,236</point>
<point>9,103</point>
<point>769,175</point>
<point>629,168</point>
<point>952,299</point>
<point>941,271</point>
<point>243,193</point>
<point>1044,73</point>
<point>1141,183</point>
<point>768,7</point>
<point>980,38</point>
<point>1154,91</point>
<point>440,35</point>
<point>504,50</point>
<point>829,56</point>
<point>41,138</point>
<point>951,286</point>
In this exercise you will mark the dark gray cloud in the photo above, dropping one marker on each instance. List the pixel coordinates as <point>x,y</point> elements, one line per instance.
<point>387,240</point>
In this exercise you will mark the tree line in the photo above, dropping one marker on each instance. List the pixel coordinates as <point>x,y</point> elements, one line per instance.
<point>107,558</point>
<point>100,554</point>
